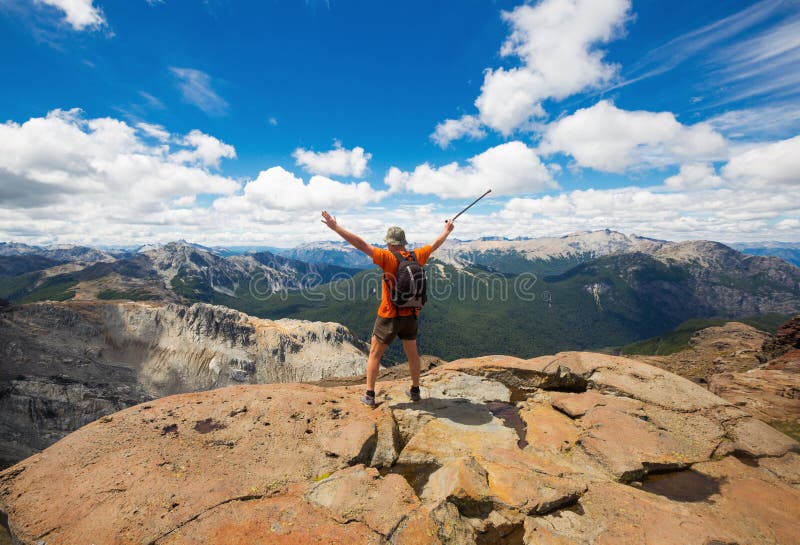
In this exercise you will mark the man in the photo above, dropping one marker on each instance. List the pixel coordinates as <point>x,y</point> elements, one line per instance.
<point>391,321</point>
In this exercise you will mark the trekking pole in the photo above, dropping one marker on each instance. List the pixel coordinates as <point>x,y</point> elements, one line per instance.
<point>470,205</point>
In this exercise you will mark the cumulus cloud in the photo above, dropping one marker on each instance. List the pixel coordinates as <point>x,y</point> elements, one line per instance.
<point>337,162</point>
<point>609,139</point>
<point>276,188</point>
<point>695,203</point>
<point>510,168</point>
<point>714,213</point>
<point>454,129</point>
<point>87,169</point>
<point>770,165</point>
<point>68,178</point>
<point>195,86</point>
<point>693,176</point>
<point>80,14</point>
<point>556,43</point>
<point>203,149</point>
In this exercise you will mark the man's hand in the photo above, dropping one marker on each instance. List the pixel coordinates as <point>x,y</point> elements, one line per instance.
<point>449,225</point>
<point>355,240</point>
<point>329,220</point>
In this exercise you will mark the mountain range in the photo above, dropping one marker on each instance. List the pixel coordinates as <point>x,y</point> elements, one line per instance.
<point>177,271</point>
<point>524,297</point>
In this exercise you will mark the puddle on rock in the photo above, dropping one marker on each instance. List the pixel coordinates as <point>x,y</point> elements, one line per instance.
<point>417,475</point>
<point>509,414</point>
<point>208,425</point>
<point>684,486</point>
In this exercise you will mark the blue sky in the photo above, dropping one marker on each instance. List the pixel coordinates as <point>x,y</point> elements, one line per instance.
<point>676,120</point>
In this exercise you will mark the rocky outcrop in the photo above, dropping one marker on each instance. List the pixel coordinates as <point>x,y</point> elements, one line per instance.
<point>732,347</point>
<point>786,339</point>
<point>574,448</point>
<point>749,368</point>
<point>67,364</point>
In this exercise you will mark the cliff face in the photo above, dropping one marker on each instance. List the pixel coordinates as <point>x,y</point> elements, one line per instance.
<point>66,364</point>
<point>575,448</point>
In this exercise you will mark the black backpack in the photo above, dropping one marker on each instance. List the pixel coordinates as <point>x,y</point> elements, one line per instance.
<point>409,289</point>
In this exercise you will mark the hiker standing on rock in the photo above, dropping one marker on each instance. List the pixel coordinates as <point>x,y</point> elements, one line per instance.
<point>402,296</point>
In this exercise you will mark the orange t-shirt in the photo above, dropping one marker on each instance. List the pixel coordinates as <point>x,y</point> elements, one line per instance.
<point>388,262</point>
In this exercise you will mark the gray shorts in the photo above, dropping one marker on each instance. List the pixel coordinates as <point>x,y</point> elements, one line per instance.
<point>386,329</point>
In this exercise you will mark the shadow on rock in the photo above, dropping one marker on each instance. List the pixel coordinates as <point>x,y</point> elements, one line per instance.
<point>458,410</point>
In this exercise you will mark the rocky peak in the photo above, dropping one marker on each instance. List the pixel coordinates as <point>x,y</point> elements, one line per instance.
<point>571,448</point>
<point>705,253</point>
<point>577,245</point>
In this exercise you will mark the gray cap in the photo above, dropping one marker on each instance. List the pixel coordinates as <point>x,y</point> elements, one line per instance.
<point>395,235</point>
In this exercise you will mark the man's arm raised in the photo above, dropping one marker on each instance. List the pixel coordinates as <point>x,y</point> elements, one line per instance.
<point>448,228</point>
<point>353,239</point>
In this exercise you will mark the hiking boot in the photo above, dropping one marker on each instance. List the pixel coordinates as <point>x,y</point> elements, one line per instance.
<point>413,395</point>
<point>367,400</point>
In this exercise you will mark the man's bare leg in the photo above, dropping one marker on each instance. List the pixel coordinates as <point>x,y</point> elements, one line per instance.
<point>376,350</point>
<point>410,348</point>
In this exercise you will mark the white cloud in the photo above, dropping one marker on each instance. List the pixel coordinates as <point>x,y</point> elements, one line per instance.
<point>778,120</point>
<point>714,213</point>
<point>762,64</point>
<point>273,121</point>
<point>92,171</point>
<point>694,176</point>
<point>154,131</point>
<point>454,129</point>
<point>556,41</point>
<point>790,224</point>
<point>80,14</point>
<point>701,40</point>
<point>278,189</point>
<point>510,168</point>
<point>151,101</point>
<point>65,178</point>
<point>609,139</point>
<point>775,165</point>
<point>337,162</point>
<point>203,149</point>
<point>195,86</point>
<point>695,203</point>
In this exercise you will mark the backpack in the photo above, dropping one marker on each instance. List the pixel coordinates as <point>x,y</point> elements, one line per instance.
<point>409,289</point>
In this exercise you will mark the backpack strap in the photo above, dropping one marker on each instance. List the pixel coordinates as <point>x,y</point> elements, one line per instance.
<point>399,257</point>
